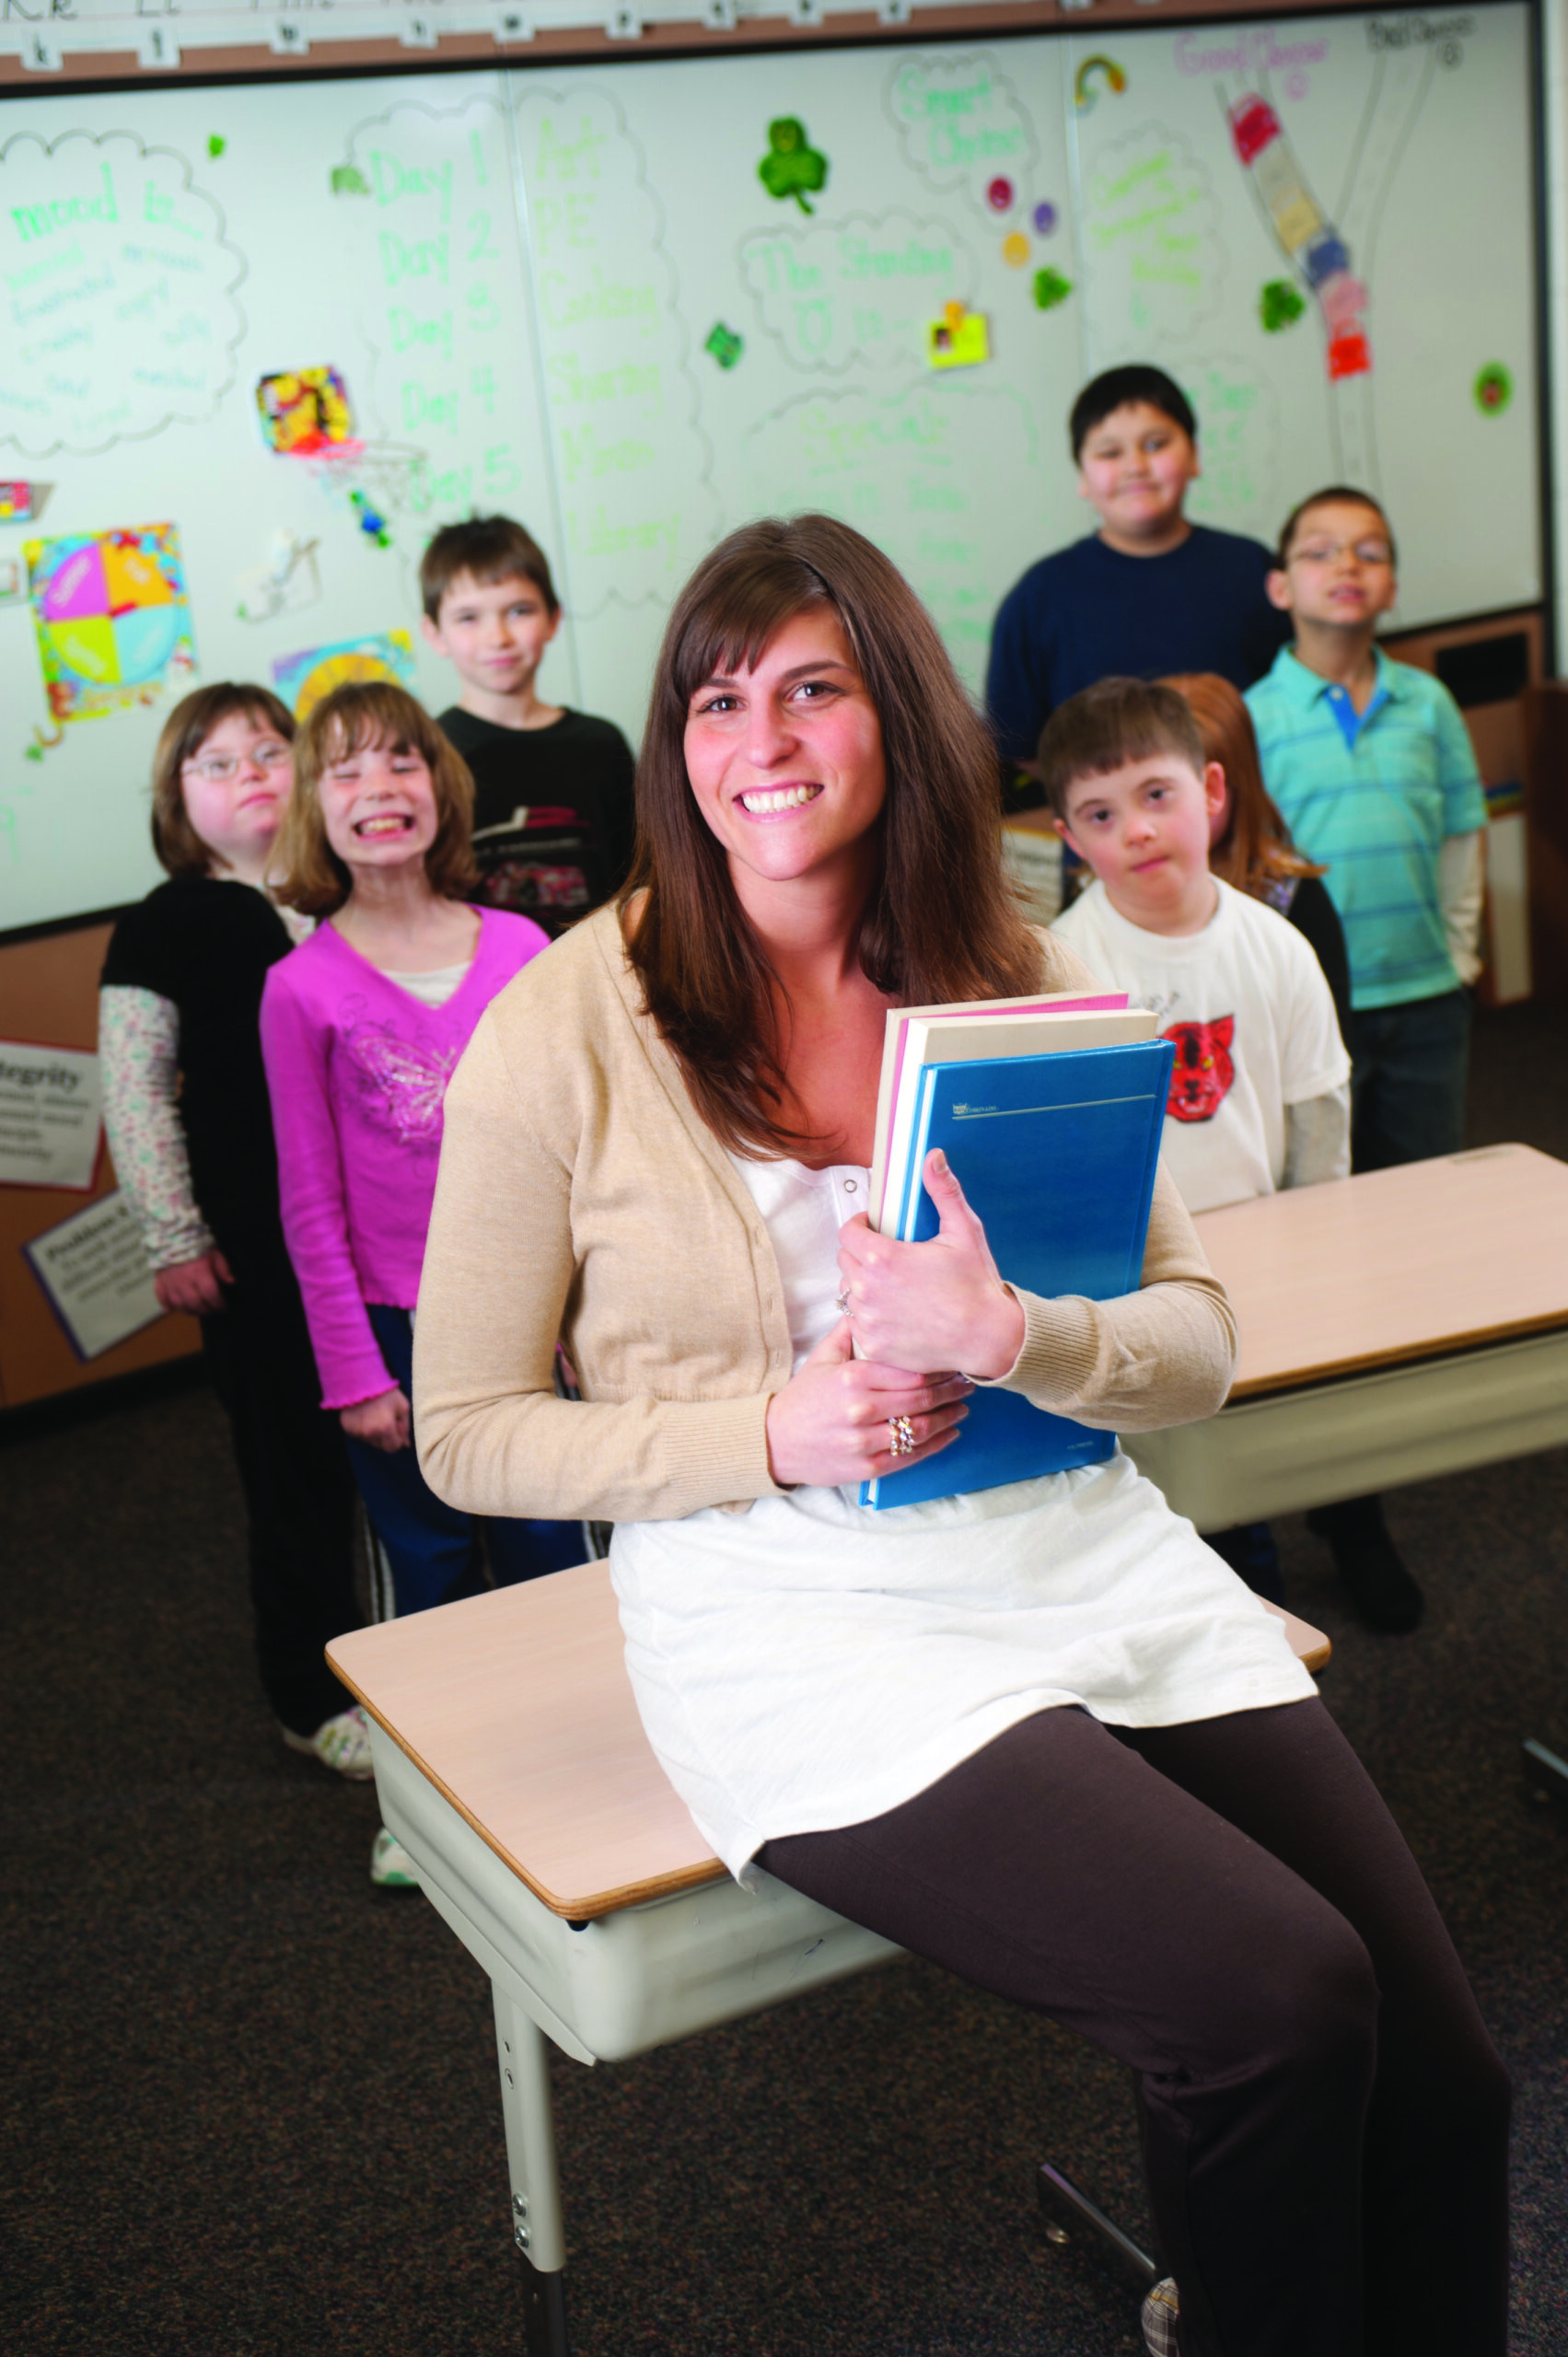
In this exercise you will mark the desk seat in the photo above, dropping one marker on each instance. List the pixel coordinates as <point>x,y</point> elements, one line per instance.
<point>511,1763</point>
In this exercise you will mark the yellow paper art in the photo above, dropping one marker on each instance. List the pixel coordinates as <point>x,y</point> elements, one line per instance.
<point>959,339</point>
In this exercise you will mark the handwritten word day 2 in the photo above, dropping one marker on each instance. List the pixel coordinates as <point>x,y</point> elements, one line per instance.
<point>443,246</point>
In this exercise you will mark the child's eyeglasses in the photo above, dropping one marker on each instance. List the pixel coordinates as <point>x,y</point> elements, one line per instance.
<point>1325,551</point>
<point>218,767</point>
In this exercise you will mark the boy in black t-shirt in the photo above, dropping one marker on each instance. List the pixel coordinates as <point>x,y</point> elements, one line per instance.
<point>553,789</point>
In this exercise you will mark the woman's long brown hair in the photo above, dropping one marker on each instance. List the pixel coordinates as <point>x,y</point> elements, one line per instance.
<point>941,922</point>
<point>1253,848</point>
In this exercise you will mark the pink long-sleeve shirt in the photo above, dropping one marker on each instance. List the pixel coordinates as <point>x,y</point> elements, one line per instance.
<point>358,1070</point>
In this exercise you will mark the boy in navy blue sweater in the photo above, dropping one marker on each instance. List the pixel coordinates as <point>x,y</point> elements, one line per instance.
<point>1148,593</point>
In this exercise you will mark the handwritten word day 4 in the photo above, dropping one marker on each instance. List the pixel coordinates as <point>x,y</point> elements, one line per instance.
<point>442,244</point>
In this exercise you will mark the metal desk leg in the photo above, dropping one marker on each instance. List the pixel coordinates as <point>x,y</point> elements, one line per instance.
<point>1067,2210</point>
<point>1547,1770</point>
<point>523,2052</point>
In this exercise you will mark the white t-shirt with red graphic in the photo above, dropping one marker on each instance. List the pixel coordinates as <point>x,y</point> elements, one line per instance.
<point>1254,1027</point>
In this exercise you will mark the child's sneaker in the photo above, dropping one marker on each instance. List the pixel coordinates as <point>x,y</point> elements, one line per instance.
<point>342,1744</point>
<point>1160,2310</point>
<point>392,1868</point>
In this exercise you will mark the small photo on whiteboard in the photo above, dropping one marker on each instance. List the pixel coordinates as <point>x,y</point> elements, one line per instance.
<point>51,1116</point>
<point>95,1275</point>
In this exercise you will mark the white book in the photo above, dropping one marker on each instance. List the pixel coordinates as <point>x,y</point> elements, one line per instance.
<point>919,1036</point>
<point>967,1011</point>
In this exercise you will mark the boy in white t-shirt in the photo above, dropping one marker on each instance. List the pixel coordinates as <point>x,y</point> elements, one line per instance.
<point>1260,1095</point>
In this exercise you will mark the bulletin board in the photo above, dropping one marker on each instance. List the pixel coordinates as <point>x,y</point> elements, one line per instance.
<point>258,342</point>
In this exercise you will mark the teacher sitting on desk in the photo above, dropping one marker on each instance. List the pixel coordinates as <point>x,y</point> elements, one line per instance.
<point>1038,1734</point>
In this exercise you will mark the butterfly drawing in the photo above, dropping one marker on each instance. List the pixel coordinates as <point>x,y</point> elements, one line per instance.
<point>412,1079</point>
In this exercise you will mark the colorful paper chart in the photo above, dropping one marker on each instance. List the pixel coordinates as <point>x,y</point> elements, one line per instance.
<point>113,619</point>
<point>303,680</point>
<point>305,410</point>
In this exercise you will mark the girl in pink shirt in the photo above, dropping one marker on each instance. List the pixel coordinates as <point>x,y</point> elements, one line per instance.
<point>362,1026</point>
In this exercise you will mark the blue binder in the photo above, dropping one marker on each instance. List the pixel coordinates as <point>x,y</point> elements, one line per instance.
<point>1057,1155</point>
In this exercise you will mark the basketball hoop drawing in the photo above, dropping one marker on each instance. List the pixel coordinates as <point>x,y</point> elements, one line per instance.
<point>378,481</point>
<point>307,417</point>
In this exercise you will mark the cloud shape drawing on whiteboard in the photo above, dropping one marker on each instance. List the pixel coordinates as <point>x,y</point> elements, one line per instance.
<point>961,124</point>
<point>1242,488</point>
<point>1151,235</point>
<point>858,292</point>
<point>117,284</point>
<point>633,464</point>
<point>943,475</point>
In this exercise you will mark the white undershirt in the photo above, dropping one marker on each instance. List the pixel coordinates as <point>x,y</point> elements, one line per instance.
<point>810,1663</point>
<point>434,988</point>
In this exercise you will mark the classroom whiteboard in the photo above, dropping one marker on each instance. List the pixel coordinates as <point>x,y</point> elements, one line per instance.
<point>634,303</point>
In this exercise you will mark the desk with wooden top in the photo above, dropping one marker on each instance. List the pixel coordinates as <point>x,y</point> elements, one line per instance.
<point>1405,1323</point>
<point>512,1765</point>
<point>1392,1327</point>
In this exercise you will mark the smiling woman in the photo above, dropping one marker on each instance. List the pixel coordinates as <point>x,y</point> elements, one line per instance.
<point>773,685</point>
<point>1040,1733</point>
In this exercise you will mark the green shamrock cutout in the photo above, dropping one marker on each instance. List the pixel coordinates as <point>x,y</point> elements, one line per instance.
<point>1050,288</point>
<point>724,345</point>
<point>348,180</point>
<point>1492,389</point>
<point>792,164</point>
<point>1279,305</point>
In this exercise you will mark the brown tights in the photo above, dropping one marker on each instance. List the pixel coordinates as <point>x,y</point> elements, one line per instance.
<point>1227,1907</point>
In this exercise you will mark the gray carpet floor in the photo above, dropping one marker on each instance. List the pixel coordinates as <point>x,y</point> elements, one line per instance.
<point>249,2103</point>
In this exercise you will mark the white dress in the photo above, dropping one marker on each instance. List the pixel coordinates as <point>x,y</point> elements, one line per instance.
<point>809,1663</point>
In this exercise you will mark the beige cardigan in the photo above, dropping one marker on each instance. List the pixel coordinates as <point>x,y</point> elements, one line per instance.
<point>582,1196</point>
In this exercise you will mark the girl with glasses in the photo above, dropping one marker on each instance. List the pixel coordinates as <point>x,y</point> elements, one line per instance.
<point>190,1131</point>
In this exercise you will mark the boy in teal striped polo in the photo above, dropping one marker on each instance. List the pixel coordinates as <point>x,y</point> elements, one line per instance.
<point>1372,767</point>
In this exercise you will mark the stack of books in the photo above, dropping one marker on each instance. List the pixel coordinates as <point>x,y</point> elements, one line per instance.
<point>1049,1111</point>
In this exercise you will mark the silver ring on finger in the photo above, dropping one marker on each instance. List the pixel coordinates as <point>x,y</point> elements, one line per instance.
<point>901,1430</point>
<point>842,1303</point>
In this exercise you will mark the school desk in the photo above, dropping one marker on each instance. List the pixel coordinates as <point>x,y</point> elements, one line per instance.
<point>1392,1327</point>
<point>512,1765</point>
